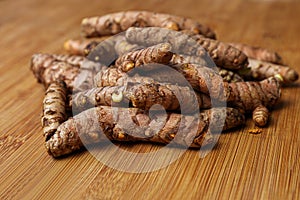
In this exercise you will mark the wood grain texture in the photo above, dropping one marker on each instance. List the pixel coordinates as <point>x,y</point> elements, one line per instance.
<point>242,165</point>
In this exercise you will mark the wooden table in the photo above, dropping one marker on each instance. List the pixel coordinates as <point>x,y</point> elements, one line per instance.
<point>242,165</point>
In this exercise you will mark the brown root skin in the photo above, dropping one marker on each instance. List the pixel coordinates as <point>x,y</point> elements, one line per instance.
<point>160,54</point>
<point>114,23</point>
<point>204,80</point>
<point>260,116</point>
<point>96,124</point>
<point>185,59</point>
<point>224,55</point>
<point>259,53</point>
<point>255,97</point>
<point>54,108</point>
<point>77,47</point>
<point>47,70</point>
<point>181,43</point>
<point>141,95</point>
<point>230,76</point>
<point>76,71</point>
<point>260,70</point>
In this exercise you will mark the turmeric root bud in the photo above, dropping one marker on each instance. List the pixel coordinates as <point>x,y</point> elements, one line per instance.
<point>260,116</point>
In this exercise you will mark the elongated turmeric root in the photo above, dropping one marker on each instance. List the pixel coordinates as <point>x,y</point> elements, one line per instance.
<point>114,23</point>
<point>160,54</point>
<point>78,76</point>
<point>131,124</point>
<point>223,55</point>
<point>260,70</point>
<point>48,70</point>
<point>140,95</point>
<point>54,108</point>
<point>259,53</point>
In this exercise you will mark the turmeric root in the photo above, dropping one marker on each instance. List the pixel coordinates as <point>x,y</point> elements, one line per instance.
<point>70,59</point>
<point>131,124</point>
<point>259,53</point>
<point>223,55</point>
<point>78,76</point>
<point>204,80</point>
<point>48,70</point>
<point>255,97</point>
<point>79,47</point>
<point>140,95</point>
<point>114,23</point>
<point>260,70</point>
<point>155,54</point>
<point>54,108</point>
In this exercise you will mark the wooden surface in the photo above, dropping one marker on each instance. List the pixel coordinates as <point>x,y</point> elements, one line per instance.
<point>242,165</point>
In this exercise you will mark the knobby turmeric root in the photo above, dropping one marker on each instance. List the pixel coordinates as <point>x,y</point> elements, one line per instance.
<point>259,53</point>
<point>140,95</point>
<point>160,53</point>
<point>130,124</point>
<point>48,70</point>
<point>246,96</point>
<point>255,97</point>
<point>223,55</point>
<point>76,71</point>
<point>114,23</point>
<point>260,70</point>
<point>54,108</point>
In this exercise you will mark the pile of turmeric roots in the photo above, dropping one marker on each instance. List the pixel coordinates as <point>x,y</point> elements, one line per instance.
<point>130,62</point>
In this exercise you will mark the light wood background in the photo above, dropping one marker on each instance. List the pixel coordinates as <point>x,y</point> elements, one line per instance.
<point>243,165</point>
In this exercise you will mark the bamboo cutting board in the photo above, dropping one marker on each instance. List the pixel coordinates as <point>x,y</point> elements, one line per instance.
<point>241,166</point>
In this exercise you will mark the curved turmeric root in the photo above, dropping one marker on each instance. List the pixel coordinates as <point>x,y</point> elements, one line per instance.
<point>131,124</point>
<point>114,23</point>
